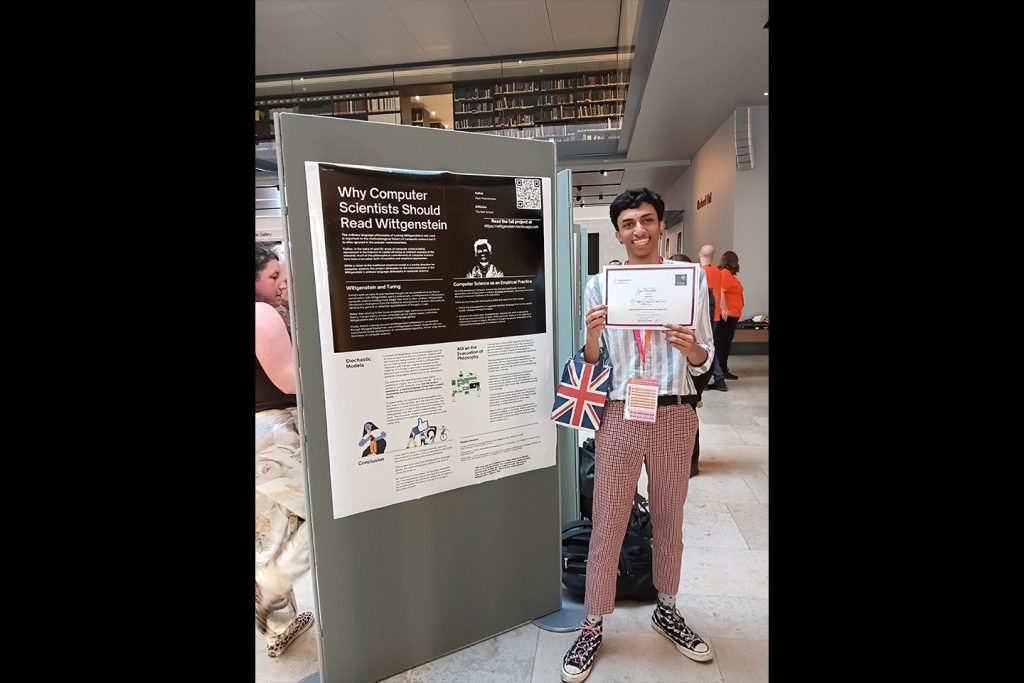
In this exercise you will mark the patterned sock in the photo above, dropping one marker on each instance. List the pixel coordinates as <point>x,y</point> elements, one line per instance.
<point>668,601</point>
<point>595,619</point>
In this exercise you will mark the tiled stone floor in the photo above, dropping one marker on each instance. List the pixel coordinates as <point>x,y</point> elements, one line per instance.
<point>723,594</point>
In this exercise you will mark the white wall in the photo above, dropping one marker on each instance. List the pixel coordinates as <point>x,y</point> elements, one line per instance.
<point>737,217</point>
<point>595,219</point>
<point>713,170</point>
<point>670,237</point>
<point>269,229</point>
<point>750,231</point>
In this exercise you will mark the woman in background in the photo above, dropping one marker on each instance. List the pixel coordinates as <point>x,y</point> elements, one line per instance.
<point>732,309</point>
<point>283,309</point>
<point>282,538</point>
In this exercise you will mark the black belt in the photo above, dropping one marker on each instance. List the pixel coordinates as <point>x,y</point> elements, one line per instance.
<point>674,400</point>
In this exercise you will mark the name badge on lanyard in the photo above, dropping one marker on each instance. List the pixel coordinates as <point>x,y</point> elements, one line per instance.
<point>641,391</point>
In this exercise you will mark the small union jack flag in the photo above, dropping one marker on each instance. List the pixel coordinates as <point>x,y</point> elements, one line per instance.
<point>580,397</point>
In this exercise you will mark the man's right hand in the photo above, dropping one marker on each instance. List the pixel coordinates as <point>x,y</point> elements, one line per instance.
<point>595,320</point>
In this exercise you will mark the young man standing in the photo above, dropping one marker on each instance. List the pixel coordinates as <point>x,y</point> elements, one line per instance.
<point>672,357</point>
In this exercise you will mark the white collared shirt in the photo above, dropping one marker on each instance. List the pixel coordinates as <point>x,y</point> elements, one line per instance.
<point>664,362</point>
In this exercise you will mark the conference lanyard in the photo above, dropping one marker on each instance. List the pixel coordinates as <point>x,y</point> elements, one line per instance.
<point>641,391</point>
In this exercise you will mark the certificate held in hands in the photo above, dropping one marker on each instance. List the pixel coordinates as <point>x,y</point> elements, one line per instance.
<point>648,296</point>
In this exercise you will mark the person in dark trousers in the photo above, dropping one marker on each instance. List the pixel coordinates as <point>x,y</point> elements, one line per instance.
<point>700,382</point>
<point>714,276</point>
<point>671,357</point>
<point>732,309</point>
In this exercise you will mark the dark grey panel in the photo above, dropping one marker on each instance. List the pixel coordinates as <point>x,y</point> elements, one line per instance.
<point>567,333</point>
<point>749,349</point>
<point>401,585</point>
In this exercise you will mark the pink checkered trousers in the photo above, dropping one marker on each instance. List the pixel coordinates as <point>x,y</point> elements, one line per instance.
<point>620,448</point>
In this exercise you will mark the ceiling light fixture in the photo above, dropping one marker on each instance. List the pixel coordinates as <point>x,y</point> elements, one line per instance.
<point>417,98</point>
<point>604,173</point>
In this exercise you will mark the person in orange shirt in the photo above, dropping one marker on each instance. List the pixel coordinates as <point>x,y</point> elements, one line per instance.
<point>707,261</point>
<point>714,276</point>
<point>731,308</point>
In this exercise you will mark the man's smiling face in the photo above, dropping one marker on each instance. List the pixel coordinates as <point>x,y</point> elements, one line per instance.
<point>639,231</point>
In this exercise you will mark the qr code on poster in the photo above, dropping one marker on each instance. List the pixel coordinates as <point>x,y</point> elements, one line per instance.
<point>528,193</point>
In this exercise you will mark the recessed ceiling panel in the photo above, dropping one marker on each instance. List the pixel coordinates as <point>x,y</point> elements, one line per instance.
<point>575,27</point>
<point>373,29</point>
<point>445,29</point>
<point>519,27</point>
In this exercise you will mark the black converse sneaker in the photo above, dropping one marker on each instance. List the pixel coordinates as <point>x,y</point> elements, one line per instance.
<point>669,623</point>
<point>580,658</point>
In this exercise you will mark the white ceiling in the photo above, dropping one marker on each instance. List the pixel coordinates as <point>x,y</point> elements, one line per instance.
<point>711,57</point>
<point>298,36</point>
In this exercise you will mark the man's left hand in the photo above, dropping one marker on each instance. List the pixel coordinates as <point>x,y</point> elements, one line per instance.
<point>685,341</point>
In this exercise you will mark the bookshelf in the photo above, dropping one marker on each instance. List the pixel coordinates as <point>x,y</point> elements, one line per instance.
<point>564,107</point>
<point>579,107</point>
<point>378,105</point>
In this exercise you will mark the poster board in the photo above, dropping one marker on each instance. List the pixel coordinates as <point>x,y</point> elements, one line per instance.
<point>459,565</point>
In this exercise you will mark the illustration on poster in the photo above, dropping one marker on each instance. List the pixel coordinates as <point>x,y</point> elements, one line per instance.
<point>375,437</point>
<point>465,383</point>
<point>421,433</point>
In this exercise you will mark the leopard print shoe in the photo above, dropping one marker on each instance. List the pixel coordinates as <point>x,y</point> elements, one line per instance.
<point>299,625</point>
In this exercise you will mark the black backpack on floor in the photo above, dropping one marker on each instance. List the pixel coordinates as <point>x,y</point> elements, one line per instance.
<point>635,578</point>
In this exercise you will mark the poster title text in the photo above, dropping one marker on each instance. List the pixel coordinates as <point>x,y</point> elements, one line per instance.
<point>387,203</point>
